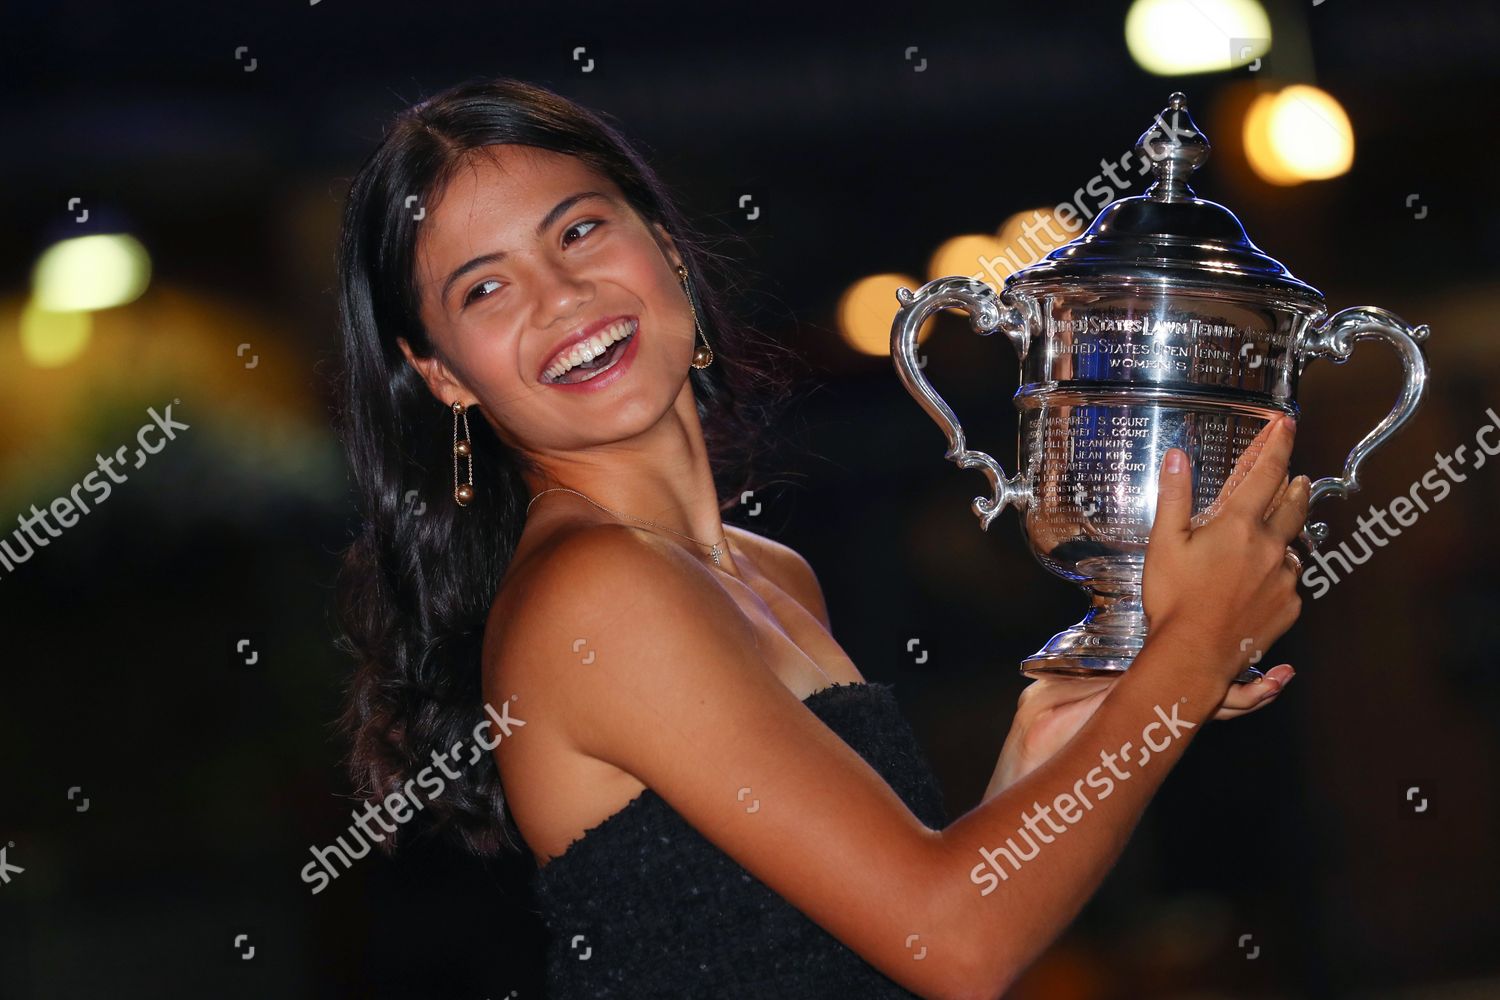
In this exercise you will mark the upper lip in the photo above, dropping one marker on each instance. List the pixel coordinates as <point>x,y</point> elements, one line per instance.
<point>576,337</point>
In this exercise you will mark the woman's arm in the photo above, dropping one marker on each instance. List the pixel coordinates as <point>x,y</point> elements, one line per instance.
<point>676,693</point>
<point>1080,805</point>
<point>1052,708</point>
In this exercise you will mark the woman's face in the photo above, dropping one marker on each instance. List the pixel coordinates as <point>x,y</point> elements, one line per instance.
<point>524,252</point>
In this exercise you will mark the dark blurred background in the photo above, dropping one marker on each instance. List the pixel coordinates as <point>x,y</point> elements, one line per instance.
<point>169,680</point>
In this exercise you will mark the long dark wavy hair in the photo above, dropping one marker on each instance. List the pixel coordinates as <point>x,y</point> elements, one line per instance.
<point>417,582</point>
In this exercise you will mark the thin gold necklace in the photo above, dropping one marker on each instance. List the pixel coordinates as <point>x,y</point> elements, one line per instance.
<point>714,550</point>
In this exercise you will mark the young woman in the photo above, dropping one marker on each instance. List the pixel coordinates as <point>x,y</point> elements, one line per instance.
<point>719,805</point>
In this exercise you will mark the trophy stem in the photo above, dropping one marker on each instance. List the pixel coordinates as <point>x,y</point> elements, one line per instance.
<point>1103,643</point>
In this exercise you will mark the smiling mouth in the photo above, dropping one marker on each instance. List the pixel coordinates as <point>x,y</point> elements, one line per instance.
<point>586,361</point>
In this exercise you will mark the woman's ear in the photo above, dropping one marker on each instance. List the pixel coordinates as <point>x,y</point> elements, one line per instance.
<point>667,244</point>
<point>441,382</point>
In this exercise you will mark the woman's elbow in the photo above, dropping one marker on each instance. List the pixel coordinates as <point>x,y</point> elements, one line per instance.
<point>983,978</point>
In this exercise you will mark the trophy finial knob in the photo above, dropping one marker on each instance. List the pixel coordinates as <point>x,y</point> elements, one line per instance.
<point>1175,147</point>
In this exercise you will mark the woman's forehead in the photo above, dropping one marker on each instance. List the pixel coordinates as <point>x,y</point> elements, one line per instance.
<point>496,199</point>
<point>496,177</point>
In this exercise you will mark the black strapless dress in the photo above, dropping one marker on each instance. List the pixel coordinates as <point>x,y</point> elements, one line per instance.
<point>643,905</point>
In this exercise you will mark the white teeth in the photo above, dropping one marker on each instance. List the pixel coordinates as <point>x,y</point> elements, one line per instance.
<point>591,348</point>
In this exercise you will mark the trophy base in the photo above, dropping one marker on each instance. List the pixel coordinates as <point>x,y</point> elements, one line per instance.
<point>1103,643</point>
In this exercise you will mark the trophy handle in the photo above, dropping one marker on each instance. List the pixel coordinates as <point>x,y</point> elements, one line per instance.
<point>986,315</point>
<point>1335,339</point>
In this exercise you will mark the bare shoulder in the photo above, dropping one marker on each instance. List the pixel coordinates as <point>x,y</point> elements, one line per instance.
<point>638,664</point>
<point>787,567</point>
<point>596,595</point>
<point>618,566</point>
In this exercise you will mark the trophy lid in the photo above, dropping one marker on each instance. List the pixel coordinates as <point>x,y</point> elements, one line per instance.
<point>1168,235</point>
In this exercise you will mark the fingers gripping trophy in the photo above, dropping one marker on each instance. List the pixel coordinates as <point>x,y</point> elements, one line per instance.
<point>1161,326</point>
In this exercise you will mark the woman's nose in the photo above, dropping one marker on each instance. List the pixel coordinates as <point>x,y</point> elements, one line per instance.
<point>562,293</point>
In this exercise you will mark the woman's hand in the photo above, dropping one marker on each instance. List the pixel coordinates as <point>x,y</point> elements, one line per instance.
<point>1052,709</point>
<point>1228,585</point>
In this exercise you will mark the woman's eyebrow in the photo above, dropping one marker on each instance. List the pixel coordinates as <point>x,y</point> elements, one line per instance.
<point>557,212</point>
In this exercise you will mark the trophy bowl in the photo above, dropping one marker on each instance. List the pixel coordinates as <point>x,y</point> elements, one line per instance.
<point>1161,326</point>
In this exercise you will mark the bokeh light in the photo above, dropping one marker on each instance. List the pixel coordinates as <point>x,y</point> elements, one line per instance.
<point>53,338</point>
<point>867,309</point>
<point>1175,37</point>
<point>1297,134</point>
<point>972,254</point>
<point>91,272</point>
<point>1030,235</point>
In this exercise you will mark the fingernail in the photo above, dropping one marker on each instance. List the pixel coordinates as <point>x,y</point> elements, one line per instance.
<point>1174,460</point>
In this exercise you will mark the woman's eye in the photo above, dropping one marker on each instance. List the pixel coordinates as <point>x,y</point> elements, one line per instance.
<point>587,226</point>
<point>474,292</point>
<point>591,223</point>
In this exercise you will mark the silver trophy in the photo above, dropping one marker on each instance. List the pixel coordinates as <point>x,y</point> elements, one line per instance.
<point>1161,326</point>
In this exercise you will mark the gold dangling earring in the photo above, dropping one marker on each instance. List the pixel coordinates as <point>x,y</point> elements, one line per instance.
<point>462,492</point>
<point>704,355</point>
